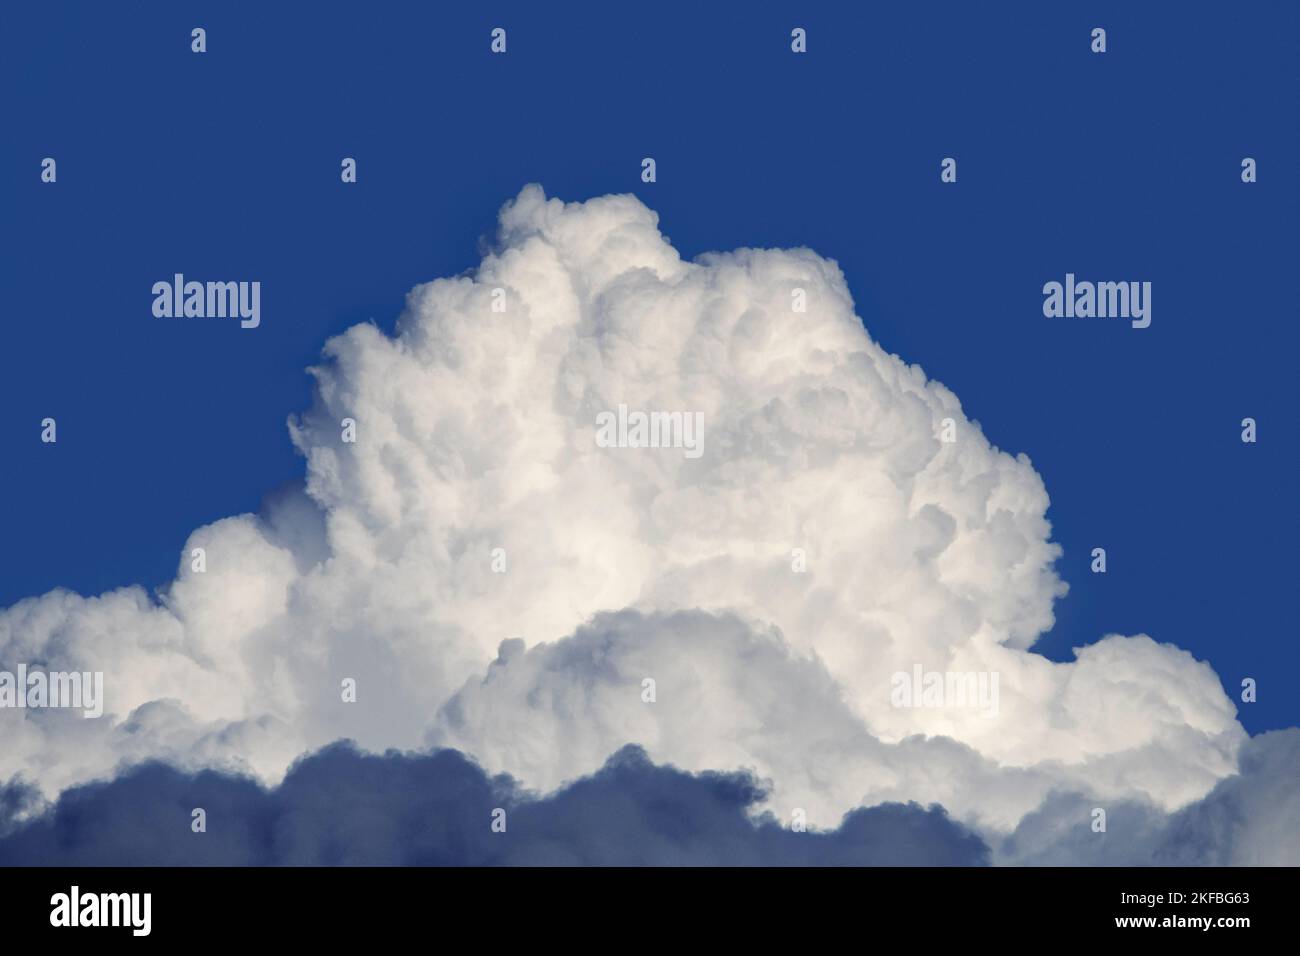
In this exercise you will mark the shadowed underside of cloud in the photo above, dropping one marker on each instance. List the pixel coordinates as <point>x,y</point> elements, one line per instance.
<point>340,806</point>
<point>1246,820</point>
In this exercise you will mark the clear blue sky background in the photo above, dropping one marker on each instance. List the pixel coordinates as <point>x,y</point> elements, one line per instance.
<point>1119,166</point>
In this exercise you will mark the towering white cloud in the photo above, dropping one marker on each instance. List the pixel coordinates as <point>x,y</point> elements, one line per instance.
<point>476,431</point>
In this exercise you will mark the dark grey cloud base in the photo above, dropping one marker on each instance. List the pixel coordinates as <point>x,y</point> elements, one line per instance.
<point>340,806</point>
<point>343,807</point>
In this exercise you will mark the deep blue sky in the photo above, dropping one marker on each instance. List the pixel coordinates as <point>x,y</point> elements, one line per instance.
<point>1119,166</point>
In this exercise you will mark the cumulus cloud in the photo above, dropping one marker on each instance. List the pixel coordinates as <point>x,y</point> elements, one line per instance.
<point>826,539</point>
